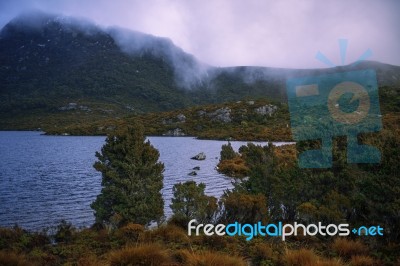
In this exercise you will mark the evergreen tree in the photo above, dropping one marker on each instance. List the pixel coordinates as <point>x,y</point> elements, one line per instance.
<point>227,152</point>
<point>190,202</point>
<point>131,179</point>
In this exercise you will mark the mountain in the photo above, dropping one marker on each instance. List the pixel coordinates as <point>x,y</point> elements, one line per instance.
<point>55,70</point>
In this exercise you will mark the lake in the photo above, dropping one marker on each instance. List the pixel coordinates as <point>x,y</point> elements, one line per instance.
<point>44,179</point>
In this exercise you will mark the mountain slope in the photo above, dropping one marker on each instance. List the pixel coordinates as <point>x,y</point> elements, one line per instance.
<point>57,70</point>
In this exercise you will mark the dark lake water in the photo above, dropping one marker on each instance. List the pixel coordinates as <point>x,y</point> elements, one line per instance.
<point>44,179</point>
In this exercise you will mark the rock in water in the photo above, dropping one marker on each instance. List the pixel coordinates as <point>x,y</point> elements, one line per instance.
<point>193,173</point>
<point>201,156</point>
<point>196,168</point>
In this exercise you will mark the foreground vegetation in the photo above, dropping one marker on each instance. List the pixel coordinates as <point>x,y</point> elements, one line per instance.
<point>169,244</point>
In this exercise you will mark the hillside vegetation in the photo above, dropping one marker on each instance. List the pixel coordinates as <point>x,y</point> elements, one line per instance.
<point>55,71</point>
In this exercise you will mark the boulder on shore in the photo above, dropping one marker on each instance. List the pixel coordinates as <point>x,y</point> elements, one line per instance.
<point>199,157</point>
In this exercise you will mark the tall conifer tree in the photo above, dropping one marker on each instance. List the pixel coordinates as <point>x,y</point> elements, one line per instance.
<point>132,179</point>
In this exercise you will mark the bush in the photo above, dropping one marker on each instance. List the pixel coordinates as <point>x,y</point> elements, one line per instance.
<point>235,167</point>
<point>243,208</point>
<point>149,254</point>
<point>190,202</point>
<point>65,232</point>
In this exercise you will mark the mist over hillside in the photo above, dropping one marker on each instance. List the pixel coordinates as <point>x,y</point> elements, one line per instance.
<point>74,69</point>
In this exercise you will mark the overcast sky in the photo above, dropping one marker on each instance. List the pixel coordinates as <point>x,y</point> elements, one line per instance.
<point>248,32</point>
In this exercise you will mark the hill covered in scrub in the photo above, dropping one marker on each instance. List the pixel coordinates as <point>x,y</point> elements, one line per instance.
<point>250,120</point>
<point>260,119</point>
<point>58,70</point>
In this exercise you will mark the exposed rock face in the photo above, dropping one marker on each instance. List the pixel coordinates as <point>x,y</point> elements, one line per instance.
<point>177,132</point>
<point>199,157</point>
<point>221,115</point>
<point>181,118</point>
<point>201,113</point>
<point>74,106</point>
<point>167,121</point>
<point>268,109</point>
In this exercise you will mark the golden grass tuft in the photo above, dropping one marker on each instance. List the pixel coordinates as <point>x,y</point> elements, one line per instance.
<point>360,260</point>
<point>131,232</point>
<point>148,254</point>
<point>210,258</point>
<point>90,260</point>
<point>301,257</point>
<point>347,248</point>
<point>330,262</point>
<point>171,233</point>
<point>263,251</point>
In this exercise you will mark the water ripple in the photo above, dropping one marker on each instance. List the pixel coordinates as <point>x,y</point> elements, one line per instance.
<point>44,179</point>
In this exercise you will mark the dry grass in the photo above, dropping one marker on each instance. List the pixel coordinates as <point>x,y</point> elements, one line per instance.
<point>12,259</point>
<point>301,257</point>
<point>330,262</point>
<point>362,261</point>
<point>149,254</point>
<point>90,260</point>
<point>208,258</point>
<point>131,232</point>
<point>171,233</point>
<point>306,257</point>
<point>348,248</point>
<point>263,251</point>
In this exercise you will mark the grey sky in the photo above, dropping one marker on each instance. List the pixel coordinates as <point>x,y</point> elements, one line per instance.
<point>256,32</point>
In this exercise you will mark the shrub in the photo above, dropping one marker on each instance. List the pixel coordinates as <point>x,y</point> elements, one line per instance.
<point>227,152</point>
<point>65,232</point>
<point>235,167</point>
<point>347,248</point>
<point>243,208</point>
<point>149,254</point>
<point>190,202</point>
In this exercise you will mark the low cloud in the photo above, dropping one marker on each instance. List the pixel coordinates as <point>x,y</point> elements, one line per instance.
<point>256,32</point>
